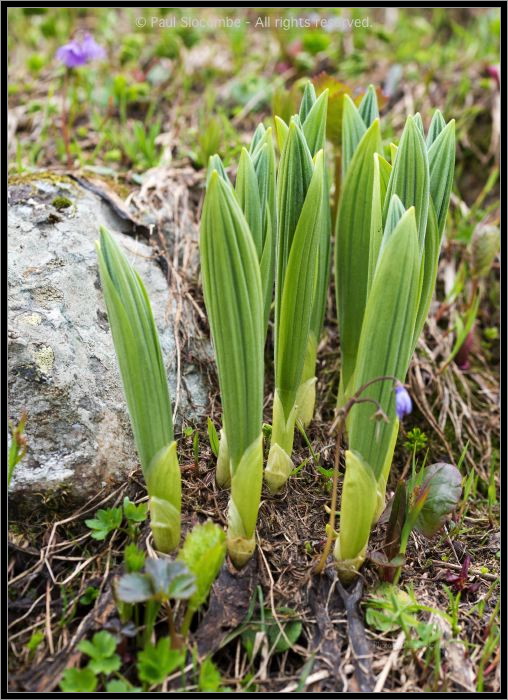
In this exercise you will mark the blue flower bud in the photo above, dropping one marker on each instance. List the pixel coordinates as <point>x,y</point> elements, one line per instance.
<point>403,404</point>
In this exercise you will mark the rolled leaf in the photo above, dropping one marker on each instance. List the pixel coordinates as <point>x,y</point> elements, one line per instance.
<point>145,386</point>
<point>314,125</point>
<point>409,178</point>
<point>294,318</point>
<point>368,108</point>
<point>353,129</point>
<point>308,100</point>
<point>247,191</point>
<point>293,180</point>
<point>437,125</point>
<point>382,170</point>
<point>385,344</point>
<point>357,510</point>
<point>441,156</point>
<point>234,302</point>
<point>352,247</point>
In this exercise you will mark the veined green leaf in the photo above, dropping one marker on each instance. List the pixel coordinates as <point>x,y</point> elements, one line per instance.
<point>264,164</point>
<point>293,180</point>
<point>298,290</point>
<point>382,170</point>
<point>419,123</point>
<point>358,505</point>
<point>395,212</point>
<point>428,272</point>
<point>385,344</point>
<point>234,302</point>
<point>137,348</point>
<point>257,138</point>
<point>215,163</point>
<point>314,126</point>
<point>441,168</point>
<point>247,191</point>
<point>281,132</point>
<point>368,108</point>
<point>437,125</point>
<point>410,176</point>
<point>352,246</point>
<point>203,550</point>
<point>308,100</point>
<point>353,129</point>
<point>145,386</point>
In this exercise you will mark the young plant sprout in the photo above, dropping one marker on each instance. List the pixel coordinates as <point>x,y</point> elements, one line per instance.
<point>390,224</point>
<point>233,295</point>
<point>255,191</point>
<point>145,386</point>
<point>300,186</point>
<point>301,278</point>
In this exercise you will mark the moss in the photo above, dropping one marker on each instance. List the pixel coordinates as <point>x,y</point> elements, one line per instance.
<point>60,202</point>
<point>26,178</point>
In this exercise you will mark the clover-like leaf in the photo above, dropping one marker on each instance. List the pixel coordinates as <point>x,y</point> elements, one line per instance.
<point>170,579</point>
<point>443,483</point>
<point>104,522</point>
<point>101,651</point>
<point>134,588</point>
<point>78,680</point>
<point>155,663</point>
<point>133,512</point>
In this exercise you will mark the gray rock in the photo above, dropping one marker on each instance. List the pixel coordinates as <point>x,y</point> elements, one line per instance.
<point>62,364</point>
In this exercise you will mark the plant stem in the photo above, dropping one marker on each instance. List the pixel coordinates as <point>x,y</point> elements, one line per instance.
<point>184,630</point>
<point>331,523</point>
<point>65,120</point>
<point>175,643</point>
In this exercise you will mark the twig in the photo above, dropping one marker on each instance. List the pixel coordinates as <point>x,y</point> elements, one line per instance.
<point>391,661</point>
<point>458,567</point>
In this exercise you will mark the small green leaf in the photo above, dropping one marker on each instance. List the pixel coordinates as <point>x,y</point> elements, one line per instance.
<point>78,680</point>
<point>386,606</point>
<point>134,558</point>
<point>89,595</point>
<point>203,552</point>
<point>133,512</point>
<point>209,677</point>
<point>282,633</point>
<point>409,178</point>
<point>436,127</point>
<point>155,663</point>
<point>368,108</point>
<point>353,129</point>
<point>212,437</point>
<point>104,522</point>
<point>119,685</point>
<point>134,588</point>
<point>102,646</point>
<point>444,484</point>
<point>170,579</point>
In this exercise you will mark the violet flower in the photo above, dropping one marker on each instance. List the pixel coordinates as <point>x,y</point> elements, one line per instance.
<point>403,403</point>
<point>78,52</point>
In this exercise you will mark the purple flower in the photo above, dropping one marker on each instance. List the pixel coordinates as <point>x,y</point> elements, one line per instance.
<point>403,404</point>
<point>77,53</point>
